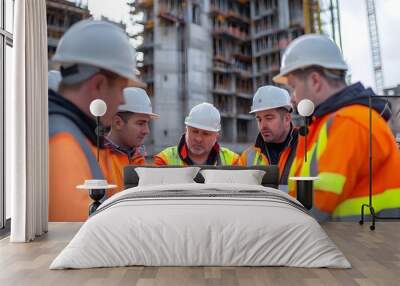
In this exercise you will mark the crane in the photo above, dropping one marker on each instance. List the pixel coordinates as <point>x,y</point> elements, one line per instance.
<point>375,46</point>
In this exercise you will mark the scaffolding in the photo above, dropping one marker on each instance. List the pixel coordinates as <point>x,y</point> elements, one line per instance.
<point>61,15</point>
<point>323,17</point>
<point>312,16</point>
<point>145,11</point>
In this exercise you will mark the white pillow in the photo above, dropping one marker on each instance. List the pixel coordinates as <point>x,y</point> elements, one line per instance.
<point>166,176</point>
<point>248,177</point>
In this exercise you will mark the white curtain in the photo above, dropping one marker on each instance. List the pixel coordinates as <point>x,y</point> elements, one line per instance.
<point>26,123</point>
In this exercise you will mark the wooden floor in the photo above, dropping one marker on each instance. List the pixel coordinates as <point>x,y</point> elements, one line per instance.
<point>375,257</point>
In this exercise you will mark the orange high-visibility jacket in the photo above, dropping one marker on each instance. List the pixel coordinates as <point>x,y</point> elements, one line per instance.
<point>72,160</point>
<point>338,153</point>
<point>254,155</point>
<point>178,155</point>
<point>120,158</point>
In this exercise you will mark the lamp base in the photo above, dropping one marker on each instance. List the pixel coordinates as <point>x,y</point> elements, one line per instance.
<point>372,210</point>
<point>305,190</point>
<point>304,193</point>
<point>96,195</point>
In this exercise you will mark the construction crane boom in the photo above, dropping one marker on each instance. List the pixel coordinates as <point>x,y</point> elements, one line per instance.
<point>375,46</point>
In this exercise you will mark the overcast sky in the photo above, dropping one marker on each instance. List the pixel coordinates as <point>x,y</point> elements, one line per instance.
<point>356,40</point>
<point>355,37</point>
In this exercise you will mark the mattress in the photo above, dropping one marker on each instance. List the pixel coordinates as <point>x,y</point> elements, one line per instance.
<point>201,225</point>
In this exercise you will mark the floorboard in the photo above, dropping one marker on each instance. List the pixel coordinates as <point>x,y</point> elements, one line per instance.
<point>374,255</point>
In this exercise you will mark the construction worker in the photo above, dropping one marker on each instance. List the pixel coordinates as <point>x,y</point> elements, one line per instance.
<point>198,146</point>
<point>277,139</point>
<point>129,128</point>
<point>338,135</point>
<point>97,61</point>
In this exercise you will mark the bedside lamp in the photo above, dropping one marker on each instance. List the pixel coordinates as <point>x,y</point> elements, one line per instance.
<point>97,190</point>
<point>304,185</point>
<point>97,187</point>
<point>305,108</point>
<point>98,108</point>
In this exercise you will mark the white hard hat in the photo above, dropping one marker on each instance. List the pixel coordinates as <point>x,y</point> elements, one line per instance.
<point>137,100</point>
<point>310,50</point>
<point>269,97</point>
<point>93,43</point>
<point>54,79</point>
<point>204,116</point>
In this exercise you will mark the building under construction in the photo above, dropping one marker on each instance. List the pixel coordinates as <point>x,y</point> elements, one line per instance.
<point>61,14</point>
<point>217,51</point>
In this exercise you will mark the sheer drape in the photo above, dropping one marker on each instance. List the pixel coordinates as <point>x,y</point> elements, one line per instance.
<point>26,123</point>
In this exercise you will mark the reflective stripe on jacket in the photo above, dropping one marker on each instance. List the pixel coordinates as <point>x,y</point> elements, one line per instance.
<point>254,155</point>
<point>119,159</point>
<point>170,156</point>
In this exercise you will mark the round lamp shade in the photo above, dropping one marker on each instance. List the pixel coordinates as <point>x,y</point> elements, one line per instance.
<point>305,107</point>
<point>98,107</point>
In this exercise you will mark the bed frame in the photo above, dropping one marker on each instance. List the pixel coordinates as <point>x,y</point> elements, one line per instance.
<point>270,179</point>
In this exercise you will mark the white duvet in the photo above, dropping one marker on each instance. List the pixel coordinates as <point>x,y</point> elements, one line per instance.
<point>245,225</point>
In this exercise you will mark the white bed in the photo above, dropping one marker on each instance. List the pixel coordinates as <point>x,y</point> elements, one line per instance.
<point>203,225</point>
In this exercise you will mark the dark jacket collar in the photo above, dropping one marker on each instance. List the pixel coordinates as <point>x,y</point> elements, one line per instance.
<point>62,106</point>
<point>352,94</point>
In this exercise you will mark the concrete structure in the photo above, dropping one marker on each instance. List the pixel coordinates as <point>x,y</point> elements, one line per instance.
<point>61,15</point>
<point>217,51</point>
<point>393,96</point>
<point>393,91</point>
